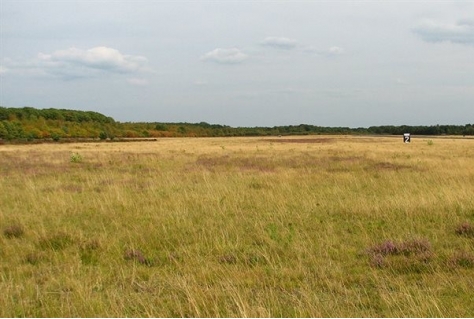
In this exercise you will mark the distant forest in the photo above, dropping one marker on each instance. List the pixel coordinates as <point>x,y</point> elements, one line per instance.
<point>29,124</point>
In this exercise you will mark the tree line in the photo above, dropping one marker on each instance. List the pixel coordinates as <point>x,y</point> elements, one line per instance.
<point>30,124</point>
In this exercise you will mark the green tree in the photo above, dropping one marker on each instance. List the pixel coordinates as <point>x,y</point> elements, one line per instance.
<point>103,135</point>
<point>3,130</point>
<point>161,127</point>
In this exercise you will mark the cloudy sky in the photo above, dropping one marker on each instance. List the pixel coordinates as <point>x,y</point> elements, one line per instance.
<point>243,63</point>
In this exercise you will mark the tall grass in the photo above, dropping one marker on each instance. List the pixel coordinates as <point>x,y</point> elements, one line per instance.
<point>245,227</point>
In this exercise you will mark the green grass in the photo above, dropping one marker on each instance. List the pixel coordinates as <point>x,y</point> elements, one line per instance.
<point>247,227</point>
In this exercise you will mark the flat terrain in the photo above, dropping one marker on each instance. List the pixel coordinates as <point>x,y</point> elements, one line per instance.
<point>222,227</point>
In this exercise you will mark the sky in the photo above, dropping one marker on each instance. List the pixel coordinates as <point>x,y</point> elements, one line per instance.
<point>243,63</point>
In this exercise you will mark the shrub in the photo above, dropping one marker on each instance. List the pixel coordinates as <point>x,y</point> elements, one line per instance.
<point>136,255</point>
<point>55,137</point>
<point>462,259</point>
<point>406,255</point>
<point>76,158</point>
<point>13,231</point>
<point>386,248</point>
<point>465,229</point>
<point>34,258</point>
<point>415,246</point>
<point>103,135</point>
<point>228,259</point>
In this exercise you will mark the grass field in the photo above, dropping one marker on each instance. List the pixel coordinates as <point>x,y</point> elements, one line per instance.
<point>246,227</point>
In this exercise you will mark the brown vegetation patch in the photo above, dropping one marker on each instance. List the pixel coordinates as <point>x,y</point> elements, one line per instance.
<point>301,140</point>
<point>71,188</point>
<point>342,164</point>
<point>270,164</point>
<point>387,166</point>
<point>346,159</point>
<point>33,164</point>
<point>242,163</point>
<point>339,170</point>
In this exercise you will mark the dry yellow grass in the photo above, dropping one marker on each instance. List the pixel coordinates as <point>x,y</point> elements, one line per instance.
<point>247,227</point>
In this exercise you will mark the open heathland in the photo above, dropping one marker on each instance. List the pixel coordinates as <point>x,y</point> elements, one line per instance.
<point>248,227</point>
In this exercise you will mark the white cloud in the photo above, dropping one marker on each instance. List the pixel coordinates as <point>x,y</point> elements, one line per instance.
<point>99,58</point>
<point>460,32</point>
<point>225,56</point>
<point>77,63</point>
<point>335,51</point>
<point>280,42</point>
<point>3,69</point>
<point>332,51</point>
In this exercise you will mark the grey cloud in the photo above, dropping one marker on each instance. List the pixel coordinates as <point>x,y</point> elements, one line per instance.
<point>280,42</point>
<point>225,56</point>
<point>460,32</point>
